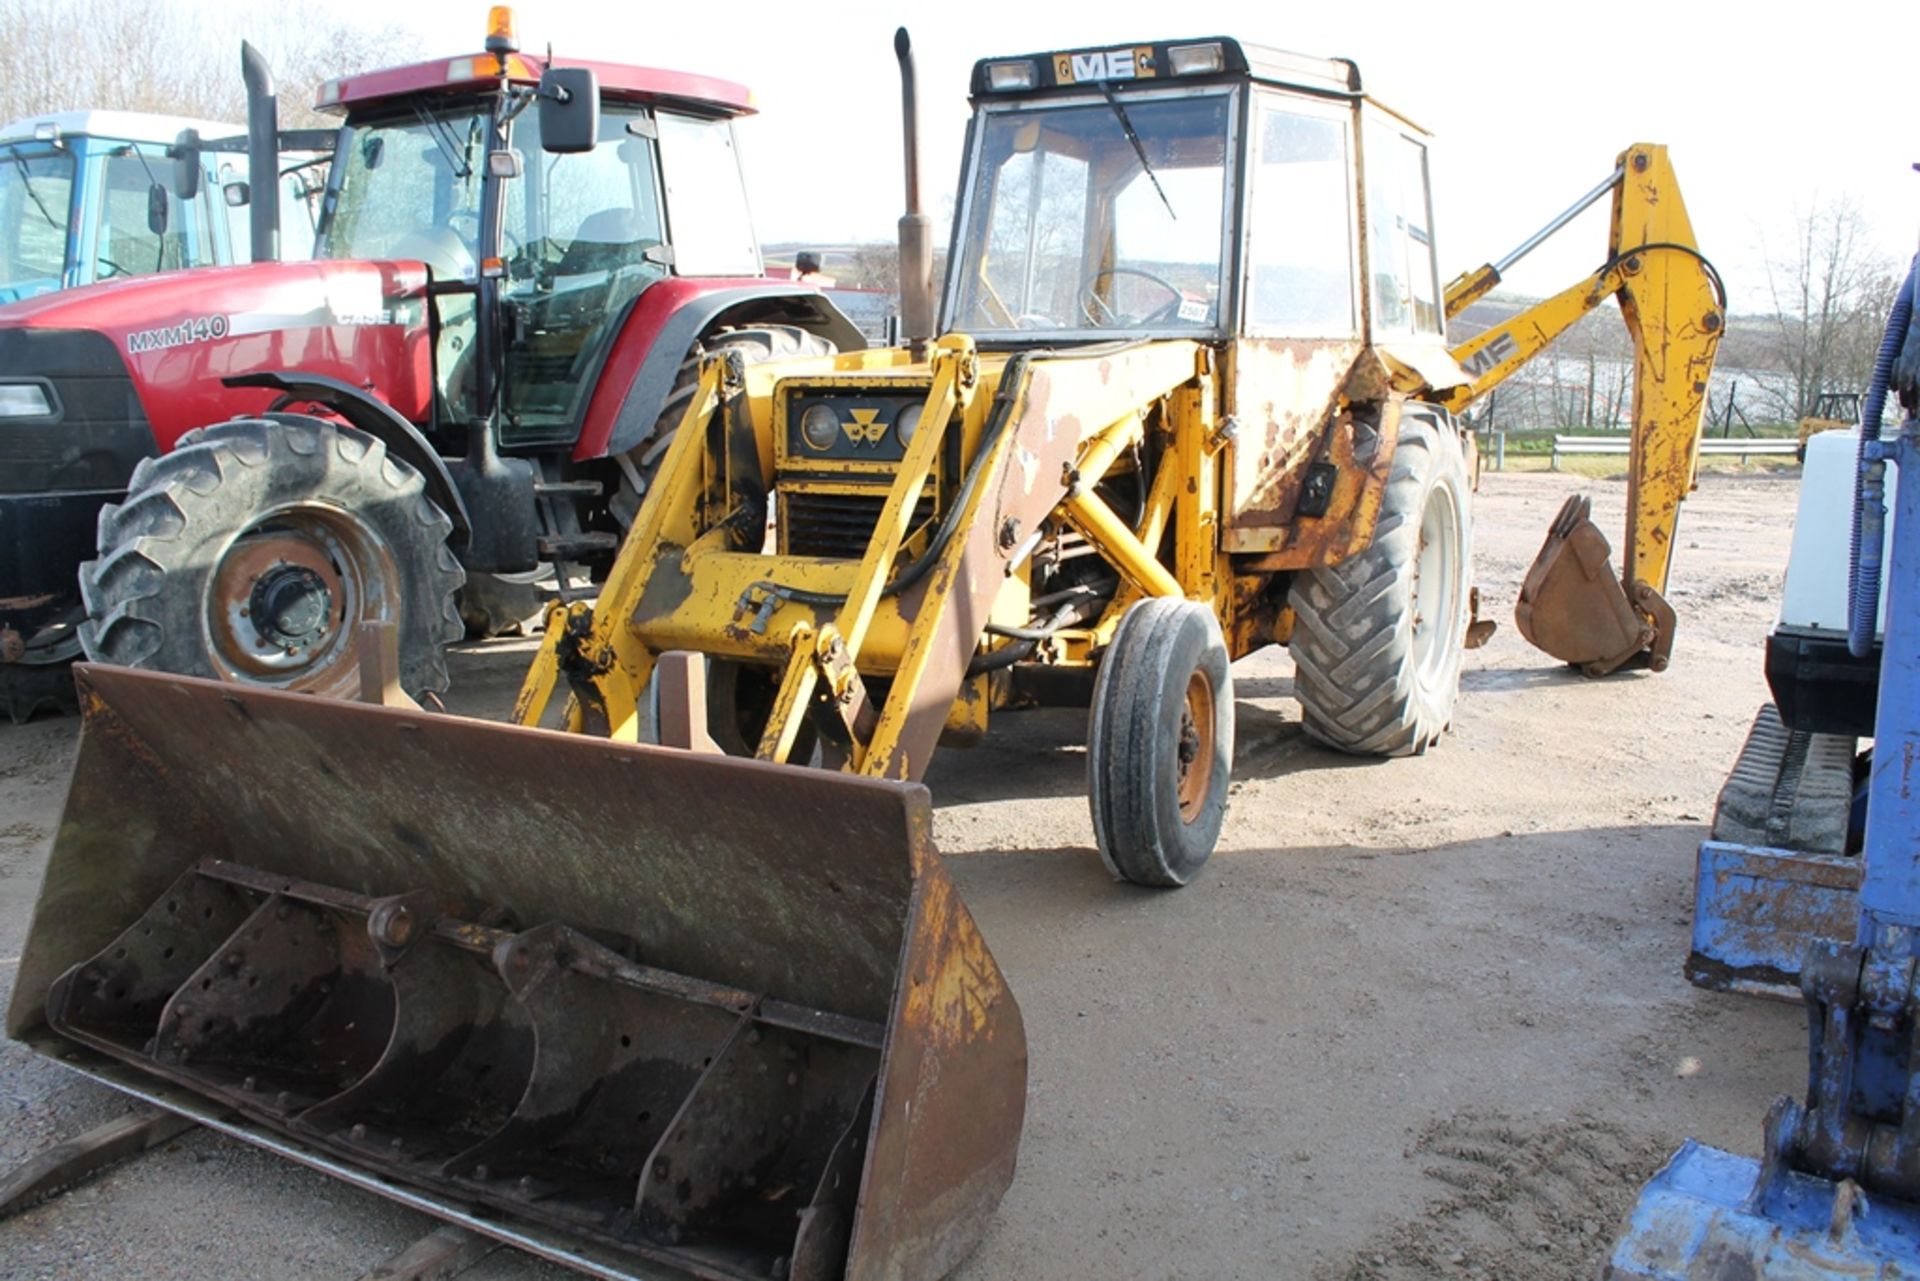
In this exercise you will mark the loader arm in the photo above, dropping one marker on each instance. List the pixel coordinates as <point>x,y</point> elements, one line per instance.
<point>915,614</point>
<point>1674,307</point>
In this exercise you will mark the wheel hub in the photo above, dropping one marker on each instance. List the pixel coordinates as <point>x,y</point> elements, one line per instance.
<point>1193,754</point>
<point>290,606</point>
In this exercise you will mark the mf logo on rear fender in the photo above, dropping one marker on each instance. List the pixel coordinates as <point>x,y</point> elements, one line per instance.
<point>191,330</point>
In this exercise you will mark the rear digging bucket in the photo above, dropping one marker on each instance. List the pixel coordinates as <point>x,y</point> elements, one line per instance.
<point>648,1013</point>
<point>1573,606</point>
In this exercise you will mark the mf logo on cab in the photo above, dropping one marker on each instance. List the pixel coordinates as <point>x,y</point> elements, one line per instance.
<point>1103,64</point>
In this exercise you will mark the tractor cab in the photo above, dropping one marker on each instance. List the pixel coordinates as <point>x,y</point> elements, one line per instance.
<point>540,217</point>
<point>82,199</point>
<point>1205,189</point>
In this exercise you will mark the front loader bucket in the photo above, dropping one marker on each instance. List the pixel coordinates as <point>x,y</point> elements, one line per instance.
<point>647,1013</point>
<point>1573,606</point>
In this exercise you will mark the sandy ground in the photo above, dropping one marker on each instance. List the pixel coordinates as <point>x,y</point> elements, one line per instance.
<point>1417,1018</point>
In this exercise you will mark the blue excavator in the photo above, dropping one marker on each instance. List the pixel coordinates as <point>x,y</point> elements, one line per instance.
<point>1836,1191</point>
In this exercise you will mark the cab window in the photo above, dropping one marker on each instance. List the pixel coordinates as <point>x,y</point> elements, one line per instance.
<point>1405,275</point>
<point>1300,246</point>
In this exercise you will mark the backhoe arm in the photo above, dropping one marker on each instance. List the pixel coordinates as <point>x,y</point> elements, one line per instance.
<point>1674,307</point>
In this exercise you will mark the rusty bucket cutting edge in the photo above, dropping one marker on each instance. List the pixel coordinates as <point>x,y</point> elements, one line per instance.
<point>670,1015</point>
<point>1573,606</point>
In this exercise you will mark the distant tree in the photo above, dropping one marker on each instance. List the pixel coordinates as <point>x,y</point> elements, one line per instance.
<point>1830,295</point>
<point>146,55</point>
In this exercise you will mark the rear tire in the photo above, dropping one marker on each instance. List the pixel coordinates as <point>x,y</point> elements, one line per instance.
<point>1378,639</point>
<point>251,552</point>
<point>1160,748</point>
<point>756,345</point>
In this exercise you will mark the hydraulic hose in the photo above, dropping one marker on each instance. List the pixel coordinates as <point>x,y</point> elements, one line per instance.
<point>1869,486</point>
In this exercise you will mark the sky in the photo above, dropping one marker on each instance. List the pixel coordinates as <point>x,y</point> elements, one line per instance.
<point>1767,112</point>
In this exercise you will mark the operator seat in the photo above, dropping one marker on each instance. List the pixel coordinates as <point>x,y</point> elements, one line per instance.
<point>607,241</point>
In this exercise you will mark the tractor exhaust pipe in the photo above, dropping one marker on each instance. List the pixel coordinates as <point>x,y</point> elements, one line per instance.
<point>263,154</point>
<point>916,228</point>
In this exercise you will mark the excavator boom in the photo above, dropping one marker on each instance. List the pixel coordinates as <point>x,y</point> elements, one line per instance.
<point>1571,604</point>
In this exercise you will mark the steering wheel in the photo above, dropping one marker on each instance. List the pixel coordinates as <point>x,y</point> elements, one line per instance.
<point>1090,299</point>
<point>114,269</point>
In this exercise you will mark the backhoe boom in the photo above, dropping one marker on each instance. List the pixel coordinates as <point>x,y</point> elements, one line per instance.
<point>1674,307</point>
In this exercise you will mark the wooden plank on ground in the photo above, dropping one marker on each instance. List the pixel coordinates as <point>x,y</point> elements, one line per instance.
<point>445,1252</point>
<point>78,1159</point>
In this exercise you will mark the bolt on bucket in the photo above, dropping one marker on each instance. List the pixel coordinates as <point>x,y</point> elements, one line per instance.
<point>648,1013</point>
<point>1573,606</point>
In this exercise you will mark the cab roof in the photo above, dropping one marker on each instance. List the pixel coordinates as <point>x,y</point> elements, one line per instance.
<point>473,72</point>
<point>115,126</point>
<point>1144,64</point>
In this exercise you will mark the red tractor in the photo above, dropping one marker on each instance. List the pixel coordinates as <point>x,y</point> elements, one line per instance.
<point>518,265</point>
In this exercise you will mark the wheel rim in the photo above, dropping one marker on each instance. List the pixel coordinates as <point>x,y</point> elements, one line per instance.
<point>1193,758</point>
<point>285,596</point>
<point>1436,591</point>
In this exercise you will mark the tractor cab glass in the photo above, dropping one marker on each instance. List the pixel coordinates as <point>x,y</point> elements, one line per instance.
<point>410,188</point>
<point>36,191</point>
<point>132,234</point>
<point>1088,217</point>
<point>582,233</point>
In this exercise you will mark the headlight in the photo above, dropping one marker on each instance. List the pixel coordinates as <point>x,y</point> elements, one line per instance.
<point>907,423</point>
<point>1007,77</point>
<point>818,426</point>
<point>25,400</point>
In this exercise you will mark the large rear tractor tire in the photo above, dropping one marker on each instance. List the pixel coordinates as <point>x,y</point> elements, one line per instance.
<point>756,345</point>
<point>252,552</point>
<point>1160,747</point>
<point>1378,639</point>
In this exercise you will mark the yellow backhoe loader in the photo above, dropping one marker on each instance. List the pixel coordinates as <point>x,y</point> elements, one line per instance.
<point>623,999</point>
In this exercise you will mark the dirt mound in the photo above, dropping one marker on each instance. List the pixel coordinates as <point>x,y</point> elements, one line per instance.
<point>1528,1200</point>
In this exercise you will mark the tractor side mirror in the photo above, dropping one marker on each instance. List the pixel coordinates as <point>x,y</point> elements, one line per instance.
<point>186,164</point>
<point>157,209</point>
<point>569,110</point>
<point>236,194</point>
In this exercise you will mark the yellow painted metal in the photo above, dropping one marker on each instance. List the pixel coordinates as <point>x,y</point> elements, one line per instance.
<point>1675,315</point>
<point>1093,518</point>
<point>956,370</point>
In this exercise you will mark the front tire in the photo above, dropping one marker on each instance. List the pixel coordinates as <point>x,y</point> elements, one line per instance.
<point>253,550</point>
<point>1160,747</point>
<point>1378,639</point>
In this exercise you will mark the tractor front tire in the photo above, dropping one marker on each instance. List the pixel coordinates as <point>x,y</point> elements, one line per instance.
<point>1160,746</point>
<point>252,552</point>
<point>1378,639</point>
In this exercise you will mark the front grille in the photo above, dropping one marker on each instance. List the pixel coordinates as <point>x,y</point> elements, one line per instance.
<point>837,526</point>
<point>101,432</point>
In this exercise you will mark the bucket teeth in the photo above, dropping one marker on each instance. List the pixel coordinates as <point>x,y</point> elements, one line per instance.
<point>539,1070</point>
<point>534,982</point>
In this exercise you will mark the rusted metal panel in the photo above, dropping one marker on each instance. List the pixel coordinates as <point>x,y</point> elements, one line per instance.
<point>495,966</point>
<point>1284,394</point>
<point>1756,910</point>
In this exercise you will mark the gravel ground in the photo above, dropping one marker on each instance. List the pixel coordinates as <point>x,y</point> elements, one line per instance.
<point>1418,1018</point>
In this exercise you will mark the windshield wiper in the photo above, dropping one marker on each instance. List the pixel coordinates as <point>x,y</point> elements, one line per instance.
<point>1126,126</point>
<point>26,180</point>
<point>442,134</point>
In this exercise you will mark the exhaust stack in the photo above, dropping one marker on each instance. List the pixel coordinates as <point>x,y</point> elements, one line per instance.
<point>916,228</point>
<point>263,153</point>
